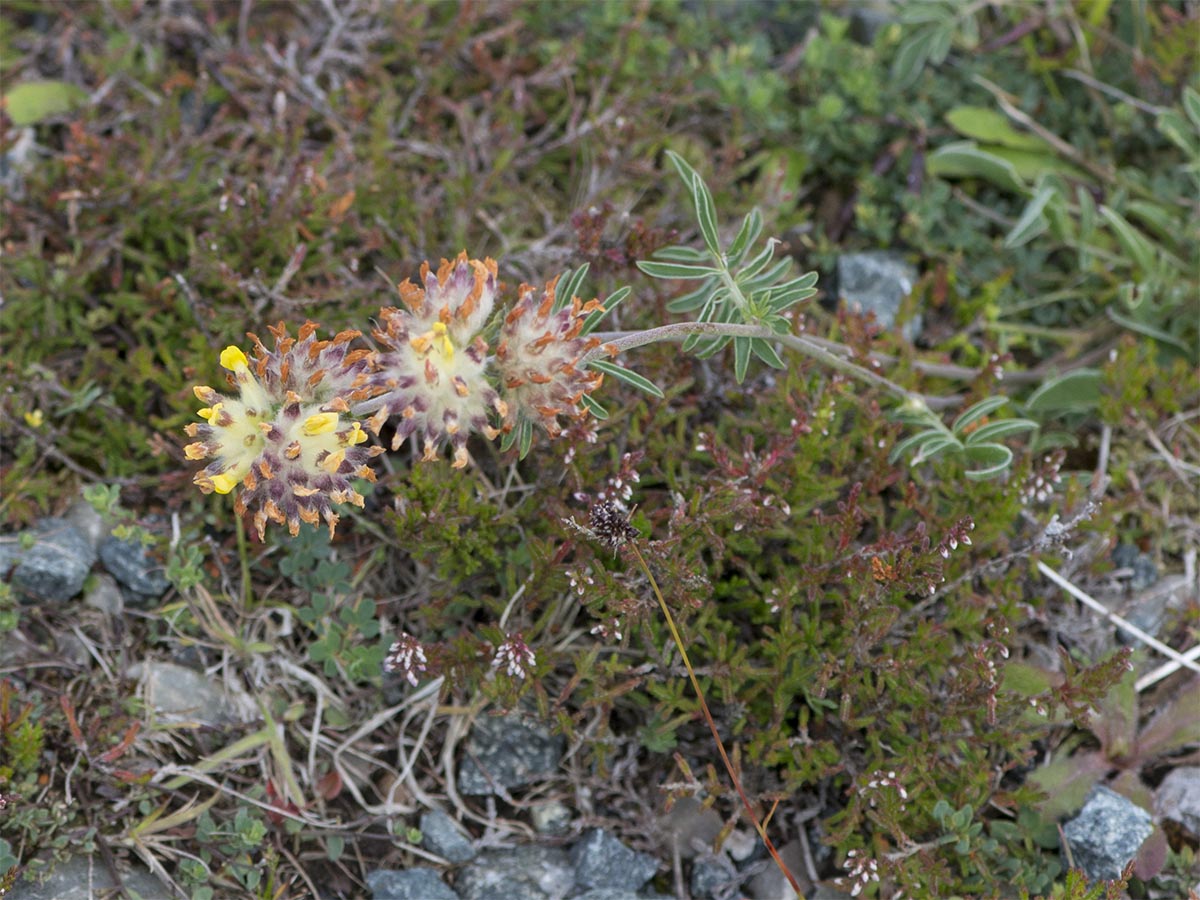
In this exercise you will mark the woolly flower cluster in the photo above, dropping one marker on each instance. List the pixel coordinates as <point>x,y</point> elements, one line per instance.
<point>293,437</point>
<point>539,357</point>
<point>286,439</point>
<point>433,376</point>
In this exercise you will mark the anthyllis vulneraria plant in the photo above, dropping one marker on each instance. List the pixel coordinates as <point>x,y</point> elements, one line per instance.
<point>446,364</point>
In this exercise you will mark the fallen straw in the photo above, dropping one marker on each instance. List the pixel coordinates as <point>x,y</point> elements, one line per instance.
<point>1180,660</point>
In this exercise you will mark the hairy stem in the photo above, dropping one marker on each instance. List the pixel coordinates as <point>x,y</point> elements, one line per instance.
<point>680,330</point>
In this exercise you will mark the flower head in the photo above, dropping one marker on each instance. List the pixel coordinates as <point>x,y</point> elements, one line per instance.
<point>406,656</point>
<point>434,373</point>
<point>515,657</point>
<point>539,357</point>
<point>286,439</point>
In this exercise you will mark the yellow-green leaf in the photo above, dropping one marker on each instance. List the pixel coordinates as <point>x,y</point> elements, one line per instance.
<point>34,101</point>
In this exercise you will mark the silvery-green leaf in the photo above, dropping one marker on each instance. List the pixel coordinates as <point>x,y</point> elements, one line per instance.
<point>977,412</point>
<point>676,270</point>
<point>626,375</point>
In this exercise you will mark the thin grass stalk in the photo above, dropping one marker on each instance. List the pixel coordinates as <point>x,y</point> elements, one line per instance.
<point>712,726</point>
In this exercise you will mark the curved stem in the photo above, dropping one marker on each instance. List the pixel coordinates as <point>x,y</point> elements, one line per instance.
<point>681,330</point>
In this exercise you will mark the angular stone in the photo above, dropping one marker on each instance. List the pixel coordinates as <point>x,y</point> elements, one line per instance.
<point>179,694</point>
<point>104,594</point>
<point>711,874</point>
<point>878,282</point>
<point>54,568</point>
<point>691,827</point>
<point>602,861</point>
<point>770,883</point>
<point>82,878</point>
<point>1107,833</point>
<point>131,564</point>
<point>523,873</point>
<point>440,834</point>
<point>550,817</point>
<point>417,883</point>
<point>1178,797</point>
<point>89,522</point>
<point>507,752</point>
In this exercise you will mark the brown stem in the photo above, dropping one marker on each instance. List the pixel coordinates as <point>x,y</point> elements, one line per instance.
<point>712,726</point>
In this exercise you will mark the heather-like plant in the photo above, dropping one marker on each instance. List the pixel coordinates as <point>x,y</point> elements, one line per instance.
<point>447,364</point>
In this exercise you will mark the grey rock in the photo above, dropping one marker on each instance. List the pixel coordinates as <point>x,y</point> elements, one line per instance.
<point>441,835</point>
<point>89,522</point>
<point>550,817</point>
<point>104,594</point>
<point>54,568</point>
<point>523,873</point>
<point>690,827</point>
<point>602,861</point>
<point>1143,571</point>
<point>180,694</point>
<point>83,878</point>
<point>608,894</point>
<point>130,562</point>
<point>770,883</point>
<point>712,874</point>
<point>878,282</point>
<point>417,883</point>
<point>508,752</point>
<point>1178,798</point>
<point>1107,833</point>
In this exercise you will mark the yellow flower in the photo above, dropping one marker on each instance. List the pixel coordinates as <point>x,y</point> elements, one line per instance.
<point>232,358</point>
<point>35,418</point>
<point>321,423</point>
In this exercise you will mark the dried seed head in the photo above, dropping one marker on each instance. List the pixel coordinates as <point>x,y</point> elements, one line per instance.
<point>609,524</point>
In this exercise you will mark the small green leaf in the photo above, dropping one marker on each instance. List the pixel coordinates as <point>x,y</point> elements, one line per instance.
<point>706,216</point>
<point>935,446</point>
<point>764,351</point>
<point>594,407</point>
<point>569,285</point>
<point>335,845</point>
<point>1087,212</point>
<point>993,430</point>
<point>526,437</point>
<point>680,253</point>
<point>984,407</point>
<point>693,300</point>
<point>757,264</point>
<point>676,270</point>
<point>994,459</point>
<point>1076,391</point>
<point>911,57</point>
<point>610,303</point>
<point>1032,223</point>
<point>914,441</point>
<point>965,160</point>
<point>1191,103</point>
<point>991,127</point>
<point>627,375</point>
<point>35,101</point>
<point>741,358</point>
<point>751,228</point>
<point>1140,251</point>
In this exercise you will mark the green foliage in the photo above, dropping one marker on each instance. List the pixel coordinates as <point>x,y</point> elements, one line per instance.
<point>346,632</point>
<point>972,436</point>
<point>231,856</point>
<point>739,284</point>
